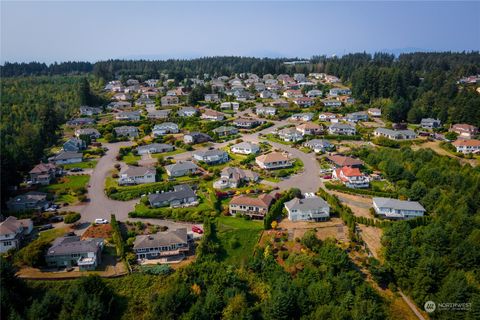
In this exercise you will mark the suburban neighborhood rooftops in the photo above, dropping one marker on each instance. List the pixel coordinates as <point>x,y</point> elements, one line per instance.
<point>133,171</point>
<point>306,204</point>
<point>180,191</point>
<point>467,143</point>
<point>342,161</point>
<point>12,224</point>
<point>273,157</point>
<point>263,200</point>
<point>43,167</point>
<point>65,155</point>
<point>180,166</point>
<point>73,244</point>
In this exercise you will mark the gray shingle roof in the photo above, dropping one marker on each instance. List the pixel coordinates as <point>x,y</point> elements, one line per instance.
<point>73,244</point>
<point>161,239</point>
<point>180,166</point>
<point>306,204</point>
<point>65,155</point>
<point>179,192</point>
<point>398,204</point>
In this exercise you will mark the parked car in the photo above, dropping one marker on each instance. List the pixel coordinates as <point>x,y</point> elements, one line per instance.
<point>327,177</point>
<point>197,229</point>
<point>45,227</point>
<point>101,221</point>
<point>76,170</point>
<point>56,219</point>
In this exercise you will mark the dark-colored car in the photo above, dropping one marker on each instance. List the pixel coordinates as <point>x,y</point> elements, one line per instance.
<point>45,227</point>
<point>56,219</point>
<point>76,170</point>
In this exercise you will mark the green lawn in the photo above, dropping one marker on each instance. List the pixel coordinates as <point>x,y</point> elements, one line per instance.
<point>274,138</point>
<point>130,157</point>
<point>167,154</point>
<point>238,237</point>
<point>83,165</point>
<point>65,188</point>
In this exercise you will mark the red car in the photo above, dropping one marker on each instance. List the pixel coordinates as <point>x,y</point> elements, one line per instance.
<point>327,177</point>
<point>197,229</point>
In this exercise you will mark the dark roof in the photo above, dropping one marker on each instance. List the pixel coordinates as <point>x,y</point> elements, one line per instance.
<point>73,244</point>
<point>161,239</point>
<point>179,192</point>
<point>342,161</point>
<point>65,155</point>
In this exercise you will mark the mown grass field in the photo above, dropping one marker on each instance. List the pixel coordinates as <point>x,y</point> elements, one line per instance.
<point>83,165</point>
<point>66,187</point>
<point>238,237</point>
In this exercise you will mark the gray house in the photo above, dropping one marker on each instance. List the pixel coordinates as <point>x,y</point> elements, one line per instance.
<point>211,156</point>
<point>180,169</point>
<point>395,134</point>
<point>155,148</point>
<point>318,145</point>
<point>32,200</point>
<point>71,251</point>
<point>66,157</point>
<point>310,208</point>
<point>92,132</point>
<point>74,144</point>
<point>196,137</point>
<point>430,123</point>
<point>126,131</point>
<point>225,130</point>
<point>182,195</point>
<point>397,209</point>
<point>162,244</point>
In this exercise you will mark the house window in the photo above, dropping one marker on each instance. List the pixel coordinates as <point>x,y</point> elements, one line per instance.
<point>7,243</point>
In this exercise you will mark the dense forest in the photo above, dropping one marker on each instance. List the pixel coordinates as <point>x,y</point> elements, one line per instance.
<point>324,285</point>
<point>438,261</point>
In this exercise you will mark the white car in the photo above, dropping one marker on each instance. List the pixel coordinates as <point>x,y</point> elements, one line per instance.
<point>101,221</point>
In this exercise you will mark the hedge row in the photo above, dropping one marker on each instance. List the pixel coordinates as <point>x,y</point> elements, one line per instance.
<point>179,214</point>
<point>345,189</point>
<point>117,237</point>
<point>133,192</point>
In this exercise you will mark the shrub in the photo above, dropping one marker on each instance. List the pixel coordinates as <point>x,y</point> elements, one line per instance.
<point>71,217</point>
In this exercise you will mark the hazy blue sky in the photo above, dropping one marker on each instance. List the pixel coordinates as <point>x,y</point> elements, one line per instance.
<point>60,31</point>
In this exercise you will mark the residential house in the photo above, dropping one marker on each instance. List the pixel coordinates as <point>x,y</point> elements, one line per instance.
<point>304,102</point>
<point>225,131</point>
<point>122,97</point>
<point>164,128</point>
<point>332,103</point>
<point>12,232</point>
<point>214,156</point>
<point>196,137</point>
<point>314,93</point>
<point>158,114</point>
<point>342,161</point>
<point>430,123</point>
<point>182,195</point>
<point>243,95</point>
<point>72,251</point>
<point>163,245</point>
<point>274,160</point>
<point>397,209</point>
<point>395,134</point>
<point>246,123</point>
<point>74,145</point>
<point>357,116</point>
<point>327,116</point>
<point>137,175</point>
<point>265,94</point>
<point>310,208</point>
<point>299,77</point>
<point>267,111</point>
<point>66,157</point>
<point>145,101</point>
<point>230,105</point>
<point>374,112</point>
<point>44,173</point>
<point>465,131</point>
<point>309,128</point>
<point>211,97</point>
<point>346,100</point>
<point>307,116</point>
<point>128,116</point>
<point>181,169</point>
<point>290,134</point>
<point>331,79</point>
<point>318,145</point>
<point>255,208</point>
<point>292,94</point>
<point>467,146</point>
<point>232,177</point>
<point>81,122</point>
<point>91,132</point>
<point>187,112</point>
<point>89,111</point>
<point>167,101</point>
<point>279,103</point>
<point>339,91</point>
<point>351,177</point>
<point>126,131</point>
<point>212,115</point>
<point>119,105</point>
<point>245,148</point>
<point>342,129</point>
<point>155,148</point>
<point>32,200</point>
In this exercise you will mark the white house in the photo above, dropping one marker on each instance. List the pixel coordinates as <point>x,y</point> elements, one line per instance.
<point>332,103</point>
<point>467,146</point>
<point>273,160</point>
<point>137,175</point>
<point>375,112</point>
<point>12,231</point>
<point>395,134</point>
<point>66,157</point>
<point>212,115</point>
<point>214,156</point>
<point>351,177</point>
<point>318,145</point>
<point>307,116</point>
<point>397,209</point>
<point>268,111</point>
<point>342,129</point>
<point>155,148</point>
<point>230,105</point>
<point>310,208</point>
<point>164,128</point>
<point>245,148</point>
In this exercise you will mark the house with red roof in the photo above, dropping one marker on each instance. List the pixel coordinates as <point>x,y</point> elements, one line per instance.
<point>351,177</point>
<point>467,146</point>
<point>255,208</point>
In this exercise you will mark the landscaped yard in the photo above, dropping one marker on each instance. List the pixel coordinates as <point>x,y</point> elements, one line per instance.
<point>167,154</point>
<point>274,175</point>
<point>274,138</point>
<point>238,237</point>
<point>68,188</point>
<point>130,157</point>
<point>83,165</point>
